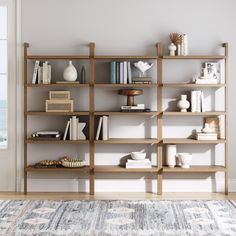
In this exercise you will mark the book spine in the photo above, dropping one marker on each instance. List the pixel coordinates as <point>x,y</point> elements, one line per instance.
<point>49,77</point>
<point>66,130</point>
<point>121,72</point>
<point>105,128</point>
<point>113,72</point>
<point>36,66</point>
<point>129,73</point>
<point>40,71</point>
<point>202,102</point>
<point>117,72</point>
<point>193,101</point>
<point>185,44</point>
<point>45,72</point>
<point>74,122</point>
<point>99,128</point>
<point>70,131</point>
<point>125,72</point>
<point>198,101</point>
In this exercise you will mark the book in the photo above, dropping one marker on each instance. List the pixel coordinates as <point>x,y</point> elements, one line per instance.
<point>142,79</point>
<point>117,72</point>
<point>47,132</point>
<point>206,136</point>
<point>36,66</point>
<point>40,75</point>
<point>105,128</point>
<point>45,72</point>
<point>125,72</point>
<point>121,72</point>
<point>129,72</point>
<point>198,101</point>
<point>66,130</point>
<point>49,76</point>
<point>193,101</point>
<point>138,165</point>
<point>202,102</point>
<point>113,72</point>
<point>74,128</point>
<point>67,82</point>
<point>146,160</point>
<point>99,128</point>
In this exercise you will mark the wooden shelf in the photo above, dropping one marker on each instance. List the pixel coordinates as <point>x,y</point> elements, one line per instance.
<point>56,141</point>
<point>186,85</point>
<point>127,57</point>
<point>195,57</point>
<point>118,113</point>
<point>56,57</point>
<point>191,141</point>
<point>57,85</point>
<point>194,169</point>
<point>127,141</point>
<point>119,169</point>
<point>124,85</point>
<point>57,169</point>
<point>208,113</point>
<point>43,113</point>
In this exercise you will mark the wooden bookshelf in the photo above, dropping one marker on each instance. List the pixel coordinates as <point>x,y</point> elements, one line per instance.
<point>159,170</point>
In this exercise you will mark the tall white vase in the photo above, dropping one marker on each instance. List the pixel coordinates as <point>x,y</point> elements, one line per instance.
<point>170,155</point>
<point>70,73</point>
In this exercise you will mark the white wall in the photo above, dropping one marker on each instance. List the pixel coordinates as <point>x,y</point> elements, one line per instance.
<point>131,27</point>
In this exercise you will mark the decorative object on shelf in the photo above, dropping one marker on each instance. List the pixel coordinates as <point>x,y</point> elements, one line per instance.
<point>59,95</point>
<point>185,159</point>
<point>70,73</point>
<point>184,45</point>
<point>172,48</point>
<point>215,123</point>
<point>179,42</point>
<point>171,151</point>
<point>80,134</point>
<point>138,155</point>
<point>142,66</point>
<point>183,103</point>
<point>130,93</point>
<point>73,163</point>
<point>47,135</point>
<point>207,128</point>
<point>83,75</point>
<point>42,73</point>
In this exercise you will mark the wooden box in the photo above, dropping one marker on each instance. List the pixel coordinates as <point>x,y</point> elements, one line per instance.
<point>59,106</point>
<point>59,95</point>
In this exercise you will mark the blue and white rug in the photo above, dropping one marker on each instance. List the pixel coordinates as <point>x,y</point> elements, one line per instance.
<point>121,218</point>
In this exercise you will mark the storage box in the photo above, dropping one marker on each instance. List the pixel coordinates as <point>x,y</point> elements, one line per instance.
<point>59,106</point>
<point>59,95</point>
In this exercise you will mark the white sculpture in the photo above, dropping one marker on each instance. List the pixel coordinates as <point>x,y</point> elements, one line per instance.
<point>143,66</point>
<point>81,135</point>
<point>183,104</point>
<point>70,73</point>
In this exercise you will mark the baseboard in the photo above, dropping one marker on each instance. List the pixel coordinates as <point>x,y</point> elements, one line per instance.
<point>128,185</point>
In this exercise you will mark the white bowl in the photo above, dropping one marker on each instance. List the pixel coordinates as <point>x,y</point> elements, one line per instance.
<point>138,155</point>
<point>184,159</point>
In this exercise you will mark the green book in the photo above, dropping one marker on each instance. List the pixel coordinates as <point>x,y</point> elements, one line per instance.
<point>113,72</point>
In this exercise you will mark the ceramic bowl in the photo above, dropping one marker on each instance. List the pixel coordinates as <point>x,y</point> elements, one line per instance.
<point>138,155</point>
<point>184,159</point>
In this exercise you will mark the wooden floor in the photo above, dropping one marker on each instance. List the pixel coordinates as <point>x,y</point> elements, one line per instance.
<point>116,196</point>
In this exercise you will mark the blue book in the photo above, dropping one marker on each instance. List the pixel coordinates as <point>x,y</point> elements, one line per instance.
<point>113,72</point>
<point>121,72</point>
<point>129,73</point>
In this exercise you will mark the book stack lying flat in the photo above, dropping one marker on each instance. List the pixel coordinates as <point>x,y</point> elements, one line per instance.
<point>145,163</point>
<point>136,108</point>
<point>142,80</point>
<point>47,135</point>
<point>206,136</point>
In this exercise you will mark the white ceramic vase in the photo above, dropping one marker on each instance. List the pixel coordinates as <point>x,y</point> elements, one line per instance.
<point>185,159</point>
<point>70,73</point>
<point>172,48</point>
<point>183,104</point>
<point>170,155</point>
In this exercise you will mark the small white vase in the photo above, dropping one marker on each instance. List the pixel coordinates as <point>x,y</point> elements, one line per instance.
<point>70,73</point>
<point>172,48</point>
<point>170,155</point>
<point>183,104</point>
<point>185,159</point>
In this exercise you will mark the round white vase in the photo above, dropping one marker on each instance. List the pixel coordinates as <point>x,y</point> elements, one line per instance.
<point>70,73</point>
<point>170,155</point>
<point>183,104</point>
<point>172,48</point>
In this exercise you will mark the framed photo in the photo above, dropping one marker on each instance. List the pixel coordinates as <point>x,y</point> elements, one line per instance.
<point>213,70</point>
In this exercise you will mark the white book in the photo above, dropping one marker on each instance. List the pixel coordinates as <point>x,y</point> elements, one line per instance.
<point>129,72</point>
<point>198,99</point>
<point>36,66</point>
<point>139,161</point>
<point>99,128</point>
<point>45,72</point>
<point>207,137</point>
<point>40,75</point>
<point>48,132</point>
<point>206,134</point>
<point>105,131</point>
<point>74,128</point>
<point>193,101</point>
<point>49,76</point>
<point>66,130</point>
<point>70,127</point>
<point>130,165</point>
<point>202,102</point>
<point>125,72</point>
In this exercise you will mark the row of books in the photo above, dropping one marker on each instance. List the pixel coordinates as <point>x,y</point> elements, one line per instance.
<point>42,73</point>
<point>146,163</point>
<point>103,128</point>
<point>135,108</point>
<point>197,101</point>
<point>120,72</point>
<point>73,130</point>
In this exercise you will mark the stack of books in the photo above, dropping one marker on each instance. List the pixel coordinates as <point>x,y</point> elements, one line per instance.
<point>206,136</point>
<point>42,73</point>
<point>103,125</point>
<point>145,163</point>
<point>47,135</point>
<point>142,80</point>
<point>120,72</point>
<point>136,108</point>
<point>197,101</point>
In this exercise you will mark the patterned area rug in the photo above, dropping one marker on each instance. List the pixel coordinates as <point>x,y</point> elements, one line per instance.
<point>121,218</point>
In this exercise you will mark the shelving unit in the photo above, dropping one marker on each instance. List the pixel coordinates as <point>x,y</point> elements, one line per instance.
<point>159,170</point>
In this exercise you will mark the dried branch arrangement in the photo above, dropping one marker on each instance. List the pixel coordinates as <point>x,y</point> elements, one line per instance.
<point>176,38</point>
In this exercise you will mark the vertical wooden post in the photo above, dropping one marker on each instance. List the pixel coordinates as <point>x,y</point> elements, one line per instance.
<point>159,117</point>
<point>26,45</point>
<point>91,118</point>
<point>225,45</point>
